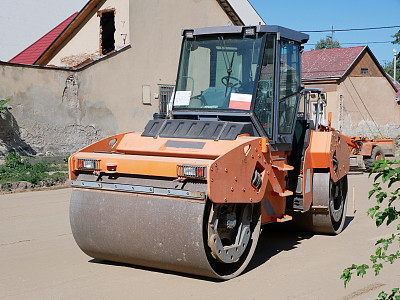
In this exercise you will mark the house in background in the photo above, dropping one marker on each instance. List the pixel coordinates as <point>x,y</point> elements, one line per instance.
<point>361,96</point>
<point>107,72</point>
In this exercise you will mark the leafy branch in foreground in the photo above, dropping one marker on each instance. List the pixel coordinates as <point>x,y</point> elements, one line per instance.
<point>387,194</point>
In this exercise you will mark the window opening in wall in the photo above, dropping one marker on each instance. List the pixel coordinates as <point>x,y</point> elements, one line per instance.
<point>166,91</point>
<point>364,71</point>
<point>107,30</point>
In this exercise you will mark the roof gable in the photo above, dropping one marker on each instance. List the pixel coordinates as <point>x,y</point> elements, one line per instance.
<point>333,62</point>
<point>34,51</point>
<point>243,11</point>
<point>239,11</point>
<point>336,63</point>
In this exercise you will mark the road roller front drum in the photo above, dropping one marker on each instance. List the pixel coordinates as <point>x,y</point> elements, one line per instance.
<point>165,232</point>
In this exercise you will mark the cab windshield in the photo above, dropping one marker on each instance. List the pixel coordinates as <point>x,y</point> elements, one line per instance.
<point>218,73</point>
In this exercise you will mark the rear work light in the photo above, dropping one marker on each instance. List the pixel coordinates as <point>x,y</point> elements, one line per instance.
<point>87,164</point>
<point>198,172</point>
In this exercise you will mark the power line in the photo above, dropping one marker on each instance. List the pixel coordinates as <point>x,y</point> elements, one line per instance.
<point>365,43</point>
<point>351,29</point>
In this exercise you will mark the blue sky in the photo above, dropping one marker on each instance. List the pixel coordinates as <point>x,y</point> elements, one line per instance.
<point>23,22</point>
<point>321,15</point>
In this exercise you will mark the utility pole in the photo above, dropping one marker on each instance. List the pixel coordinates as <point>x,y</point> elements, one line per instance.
<point>332,38</point>
<point>394,64</point>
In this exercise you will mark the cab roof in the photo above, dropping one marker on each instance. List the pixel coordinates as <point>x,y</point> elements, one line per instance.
<point>283,31</point>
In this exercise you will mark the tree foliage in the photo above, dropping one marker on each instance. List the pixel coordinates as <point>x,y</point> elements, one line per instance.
<point>386,190</point>
<point>388,67</point>
<point>326,43</point>
<point>396,38</point>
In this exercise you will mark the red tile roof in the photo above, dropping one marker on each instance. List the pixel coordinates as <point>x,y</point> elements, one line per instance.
<point>329,62</point>
<point>34,51</point>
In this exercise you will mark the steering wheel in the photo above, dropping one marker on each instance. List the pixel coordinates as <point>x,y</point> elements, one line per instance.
<point>237,83</point>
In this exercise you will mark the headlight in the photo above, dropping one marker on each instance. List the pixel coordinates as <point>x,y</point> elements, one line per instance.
<point>87,164</point>
<point>188,171</point>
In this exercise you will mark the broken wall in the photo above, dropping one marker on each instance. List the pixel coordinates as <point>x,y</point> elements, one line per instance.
<point>48,113</point>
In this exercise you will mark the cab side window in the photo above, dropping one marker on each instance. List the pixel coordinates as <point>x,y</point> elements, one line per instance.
<point>264,106</point>
<point>289,86</point>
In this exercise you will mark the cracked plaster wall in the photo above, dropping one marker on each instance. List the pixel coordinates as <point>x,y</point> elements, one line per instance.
<point>48,112</point>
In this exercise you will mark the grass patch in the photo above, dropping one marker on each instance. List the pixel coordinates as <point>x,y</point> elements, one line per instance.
<point>17,168</point>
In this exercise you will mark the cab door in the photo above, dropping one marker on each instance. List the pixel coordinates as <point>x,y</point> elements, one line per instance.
<point>288,94</point>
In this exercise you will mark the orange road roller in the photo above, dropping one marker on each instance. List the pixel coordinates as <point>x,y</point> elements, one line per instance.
<point>191,192</point>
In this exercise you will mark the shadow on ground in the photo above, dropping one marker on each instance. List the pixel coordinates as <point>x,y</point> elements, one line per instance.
<point>348,220</point>
<point>274,239</point>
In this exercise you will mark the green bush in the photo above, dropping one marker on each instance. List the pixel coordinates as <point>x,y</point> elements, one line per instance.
<point>16,168</point>
<point>66,158</point>
<point>12,160</point>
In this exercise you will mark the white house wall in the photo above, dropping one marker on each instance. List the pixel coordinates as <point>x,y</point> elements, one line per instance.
<point>85,42</point>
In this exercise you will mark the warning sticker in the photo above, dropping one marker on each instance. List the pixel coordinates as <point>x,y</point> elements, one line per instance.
<point>240,101</point>
<point>182,98</point>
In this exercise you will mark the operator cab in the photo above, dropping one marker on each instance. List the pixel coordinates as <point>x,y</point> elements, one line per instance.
<point>247,75</point>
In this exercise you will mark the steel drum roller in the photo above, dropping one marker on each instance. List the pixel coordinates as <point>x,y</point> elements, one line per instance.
<point>154,231</point>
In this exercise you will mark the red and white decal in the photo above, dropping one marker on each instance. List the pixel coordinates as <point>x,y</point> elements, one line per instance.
<point>240,101</point>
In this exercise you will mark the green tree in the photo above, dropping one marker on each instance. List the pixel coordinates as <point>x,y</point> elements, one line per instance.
<point>396,38</point>
<point>387,194</point>
<point>388,65</point>
<point>326,43</point>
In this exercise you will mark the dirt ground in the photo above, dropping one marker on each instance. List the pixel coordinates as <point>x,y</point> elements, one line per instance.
<point>40,260</point>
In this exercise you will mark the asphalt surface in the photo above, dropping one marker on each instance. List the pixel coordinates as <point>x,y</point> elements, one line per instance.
<point>40,260</point>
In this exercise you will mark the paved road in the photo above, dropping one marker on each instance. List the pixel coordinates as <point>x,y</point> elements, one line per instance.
<point>40,260</point>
